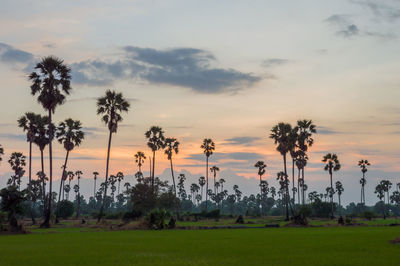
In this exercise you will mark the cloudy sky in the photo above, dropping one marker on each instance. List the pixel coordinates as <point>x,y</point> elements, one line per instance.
<point>226,70</point>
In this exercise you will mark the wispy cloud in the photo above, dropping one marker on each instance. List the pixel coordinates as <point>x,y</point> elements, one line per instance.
<point>271,62</point>
<point>241,140</point>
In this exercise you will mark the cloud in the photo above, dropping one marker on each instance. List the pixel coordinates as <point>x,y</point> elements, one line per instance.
<point>13,136</point>
<point>344,25</point>
<point>271,62</point>
<point>183,67</point>
<point>382,10</point>
<point>9,54</point>
<point>241,141</point>
<point>327,131</point>
<point>218,157</point>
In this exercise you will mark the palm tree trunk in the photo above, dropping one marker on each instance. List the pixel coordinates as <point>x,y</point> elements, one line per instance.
<point>331,196</point>
<point>94,189</point>
<point>261,197</point>
<point>105,185</point>
<point>215,175</point>
<point>293,183</point>
<point>152,179</point>
<point>173,177</point>
<point>298,185</point>
<point>78,201</point>
<point>287,188</point>
<point>43,182</point>
<point>46,222</point>
<point>30,161</point>
<point>302,190</point>
<point>61,185</point>
<point>150,167</point>
<point>206,183</point>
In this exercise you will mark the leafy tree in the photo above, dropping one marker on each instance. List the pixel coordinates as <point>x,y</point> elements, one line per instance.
<point>208,147</point>
<point>110,107</point>
<point>120,177</point>
<point>332,165</point>
<point>34,193</point>
<point>66,209</point>
<point>386,185</point>
<point>171,146</point>
<point>282,136</point>
<point>11,202</point>
<point>155,141</point>
<point>69,134</point>
<point>17,163</point>
<point>363,165</point>
<point>395,198</point>
<point>51,81</point>
<point>181,187</point>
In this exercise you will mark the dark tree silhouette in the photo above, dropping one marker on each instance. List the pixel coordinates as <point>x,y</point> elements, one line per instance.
<point>171,147</point>
<point>110,107</point>
<point>332,165</point>
<point>214,170</point>
<point>51,81</point>
<point>155,141</point>
<point>363,165</point>
<point>208,147</point>
<point>139,159</point>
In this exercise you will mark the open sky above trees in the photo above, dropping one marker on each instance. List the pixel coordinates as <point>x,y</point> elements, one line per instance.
<point>225,70</point>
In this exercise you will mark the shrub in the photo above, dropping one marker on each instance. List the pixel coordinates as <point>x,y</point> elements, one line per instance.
<point>156,219</point>
<point>368,215</point>
<point>66,209</point>
<point>132,215</point>
<point>240,220</point>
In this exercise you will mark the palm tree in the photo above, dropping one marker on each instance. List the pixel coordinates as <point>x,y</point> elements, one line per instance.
<point>172,146</point>
<point>78,174</point>
<point>110,107</point>
<point>301,162</point>
<point>28,123</point>
<point>208,147</point>
<point>386,185</point>
<point>363,165</point>
<point>42,139</point>
<point>339,190</point>
<point>202,182</point>
<point>95,174</point>
<point>214,170</point>
<point>139,159</point>
<point>70,175</point>
<point>222,181</point>
<point>51,81</point>
<point>332,165</point>
<point>261,171</point>
<point>69,134</point>
<point>155,137</point>
<point>120,177</point>
<point>282,136</point>
<point>127,185</point>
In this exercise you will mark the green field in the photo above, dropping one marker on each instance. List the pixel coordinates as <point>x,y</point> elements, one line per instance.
<point>258,246</point>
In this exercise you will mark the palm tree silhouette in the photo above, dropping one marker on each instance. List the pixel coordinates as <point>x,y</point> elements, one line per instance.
<point>95,174</point>
<point>110,107</point>
<point>139,159</point>
<point>120,177</point>
<point>339,190</point>
<point>214,170</point>
<point>222,181</point>
<point>69,134</point>
<point>28,123</point>
<point>1,152</point>
<point>17,163</point>
<point>78,174</point>
<point>171,146</point>
<point>363,165</point>
<point>301,162</point>
<point>208,147</point>
<point>332,165</point>
<point>155,137</point>
<point>261,171</point>
<point>202,182</point>
<point>42,137</point>
<point>282,136</point>
<point>51,81</point>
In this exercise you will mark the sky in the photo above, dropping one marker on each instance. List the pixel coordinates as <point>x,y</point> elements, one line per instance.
<point>226,70</point>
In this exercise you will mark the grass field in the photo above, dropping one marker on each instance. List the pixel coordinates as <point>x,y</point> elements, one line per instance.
<point>258,246</point>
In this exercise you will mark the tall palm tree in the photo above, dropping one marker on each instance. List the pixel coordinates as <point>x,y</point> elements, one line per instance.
<point>95,174</point>
<point>261,171</point>
<point>69,134</point>
<point>282,136</point>
<point>78,175</point>
<point>51,81</point>
<point>139,159</point>
<point>171,147</point>
<point>222,181</point>
<point>208,147</point>
<point>42,138</point>
<point>155,141</point>
<point>339,190</point>
<point>70,175</point>
<point>332,165</point>
<point>214,170</point>
<point>28,123</point>
<point>363,165</point>
<point>110,107</point>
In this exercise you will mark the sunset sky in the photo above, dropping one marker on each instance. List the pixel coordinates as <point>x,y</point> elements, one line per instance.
<point>226,70</point>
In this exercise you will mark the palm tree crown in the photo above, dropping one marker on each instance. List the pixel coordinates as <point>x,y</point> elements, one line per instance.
<point>208,147</point>
<point>111,106</point>
<point>332,162</point>
<point>155,136</point>
<point>70,134</point>
<point>282,135</point>
<point>172,146</point>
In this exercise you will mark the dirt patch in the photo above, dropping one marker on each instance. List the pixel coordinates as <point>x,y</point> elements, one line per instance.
<point>395,241</point>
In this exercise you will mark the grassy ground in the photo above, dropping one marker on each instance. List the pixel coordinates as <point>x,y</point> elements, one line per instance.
<point>257,246</point>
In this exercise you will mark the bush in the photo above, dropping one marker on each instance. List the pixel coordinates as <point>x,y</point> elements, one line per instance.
<point>368,215</point>
<point>240,220</point>
<point>114,216</point>
<point>132,215</point>
<point>211,214</point>
<point>66,209</point>
<point>156,219</point>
